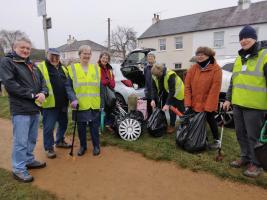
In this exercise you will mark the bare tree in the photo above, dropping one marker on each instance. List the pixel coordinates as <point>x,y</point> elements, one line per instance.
<point>7,38</point>
<point>123,39</point>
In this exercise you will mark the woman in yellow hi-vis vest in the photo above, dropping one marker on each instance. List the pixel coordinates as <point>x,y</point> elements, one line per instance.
<point>84,94</point>
<point>248,94</point>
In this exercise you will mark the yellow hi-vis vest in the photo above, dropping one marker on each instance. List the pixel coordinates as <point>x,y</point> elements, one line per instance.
<point>179,85</point>
<point>50,100</point>
<point>249,83</point>
<point>86,86</point>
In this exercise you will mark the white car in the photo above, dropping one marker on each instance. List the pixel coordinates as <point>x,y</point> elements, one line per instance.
<point>128,81</point>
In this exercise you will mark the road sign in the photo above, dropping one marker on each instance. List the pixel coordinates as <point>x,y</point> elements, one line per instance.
<point>41,8</point>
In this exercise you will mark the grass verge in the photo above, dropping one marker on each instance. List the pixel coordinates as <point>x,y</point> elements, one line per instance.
<point>11,189</point>
<point>165,149</point>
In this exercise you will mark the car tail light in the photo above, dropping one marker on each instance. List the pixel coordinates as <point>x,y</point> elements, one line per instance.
<point>128,83</point>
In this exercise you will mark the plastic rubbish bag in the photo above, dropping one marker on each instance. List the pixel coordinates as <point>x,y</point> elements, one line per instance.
<point>191,134</point>
<point>157,123</point>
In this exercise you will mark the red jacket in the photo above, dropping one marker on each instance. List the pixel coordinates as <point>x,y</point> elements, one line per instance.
<point>107,77</point>
<point>202,87</point>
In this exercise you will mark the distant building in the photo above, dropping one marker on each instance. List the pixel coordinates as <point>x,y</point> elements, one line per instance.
<point>176,39</point>
<point>69,51</point>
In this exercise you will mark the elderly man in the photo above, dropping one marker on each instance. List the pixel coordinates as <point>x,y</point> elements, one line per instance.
<point>55,108</point>
<point>248,94</point>
<point>26,88</point>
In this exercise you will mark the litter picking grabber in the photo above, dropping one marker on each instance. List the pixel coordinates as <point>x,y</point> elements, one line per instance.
<point>73,134</point>
<point>220,156</point>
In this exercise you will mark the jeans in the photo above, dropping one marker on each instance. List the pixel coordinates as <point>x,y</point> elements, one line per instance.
<point>50,117</point>
<point>94,130</point>
<point>25,132</point>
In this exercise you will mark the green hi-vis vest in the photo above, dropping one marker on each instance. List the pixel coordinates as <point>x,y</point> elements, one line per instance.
<point>249,83</point>
<point>86,86</point>
<point>179,85</point>
<point>50,100</point>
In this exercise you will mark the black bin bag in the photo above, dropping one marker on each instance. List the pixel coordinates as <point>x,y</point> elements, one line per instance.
<point>261,147</point>
<point>191,134</point>
<point>157,123</point>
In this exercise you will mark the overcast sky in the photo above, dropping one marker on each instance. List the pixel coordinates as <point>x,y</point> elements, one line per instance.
<point>87,19</point>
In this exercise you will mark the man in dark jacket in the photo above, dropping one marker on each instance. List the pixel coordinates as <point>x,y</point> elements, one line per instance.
<point>151,59</point>
<point>55,108</point>
<point>26,89</point>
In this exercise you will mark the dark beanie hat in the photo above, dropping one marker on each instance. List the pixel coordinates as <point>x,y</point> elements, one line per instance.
<point>247,32</point>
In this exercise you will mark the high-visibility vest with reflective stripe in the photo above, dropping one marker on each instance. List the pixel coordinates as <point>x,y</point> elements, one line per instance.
<point>179,85</point>
<point>249,83</point>
<point>86,85</point>
<point>50,100</point>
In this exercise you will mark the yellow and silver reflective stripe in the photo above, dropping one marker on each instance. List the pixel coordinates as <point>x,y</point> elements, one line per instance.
<point>257,71</point>
<point>178,89</point>
<point>88,95</point>
<point>264,53</point>
<point>75,79</point>
<point>51,93</point>
<point>251,88</point>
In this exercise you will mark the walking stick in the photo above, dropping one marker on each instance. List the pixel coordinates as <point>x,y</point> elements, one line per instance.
<point>73,135</point>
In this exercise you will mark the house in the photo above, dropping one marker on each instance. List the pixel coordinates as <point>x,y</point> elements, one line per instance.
<point>176,39</point>
<point>69,51</point>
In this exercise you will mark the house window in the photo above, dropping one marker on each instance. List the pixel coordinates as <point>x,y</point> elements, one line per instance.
<point>177,65</point>
<point>162,44</point>
<point>179,42</point>
<point>219,39</point>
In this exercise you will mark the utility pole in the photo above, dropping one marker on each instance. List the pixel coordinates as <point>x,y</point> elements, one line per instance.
<point>45,33</point>
<point>109,35</point>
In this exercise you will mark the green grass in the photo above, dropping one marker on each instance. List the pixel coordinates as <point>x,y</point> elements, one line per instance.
<point>165,149</point>
<point>11,189</point>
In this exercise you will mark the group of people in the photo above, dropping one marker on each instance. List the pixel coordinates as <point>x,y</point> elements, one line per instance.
<point>200,93</point>
<point>52,87</point>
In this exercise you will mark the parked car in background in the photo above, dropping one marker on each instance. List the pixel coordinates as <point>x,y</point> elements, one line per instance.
<point>128,81</point>
<point>129,76</point>
<point>227,68</point>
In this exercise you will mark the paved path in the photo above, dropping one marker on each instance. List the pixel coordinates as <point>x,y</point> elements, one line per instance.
<point>121,175</point>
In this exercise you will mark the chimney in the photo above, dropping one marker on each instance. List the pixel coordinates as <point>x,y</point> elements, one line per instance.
<point>157,18</point>
<point>154,19</point>
<point>70,40</point>
<point>244,4</point>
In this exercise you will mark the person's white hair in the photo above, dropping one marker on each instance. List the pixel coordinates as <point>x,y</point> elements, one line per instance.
<point>22,39</point>
<point>83,48</point>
